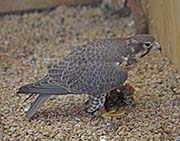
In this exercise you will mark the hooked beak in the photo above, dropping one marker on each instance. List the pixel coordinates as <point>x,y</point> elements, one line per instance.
<point>156,46</point>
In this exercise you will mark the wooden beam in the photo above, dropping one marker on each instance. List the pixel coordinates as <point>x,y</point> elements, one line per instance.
<point>164,23</point>
<point>8,6</point>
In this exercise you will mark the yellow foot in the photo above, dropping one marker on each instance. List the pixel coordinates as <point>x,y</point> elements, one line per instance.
<point>109,115</point>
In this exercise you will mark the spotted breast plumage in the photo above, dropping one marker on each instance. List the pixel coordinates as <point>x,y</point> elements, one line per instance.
<point>94,69</point>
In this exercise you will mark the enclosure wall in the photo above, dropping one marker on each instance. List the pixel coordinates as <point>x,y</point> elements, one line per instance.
<point>164,23</point>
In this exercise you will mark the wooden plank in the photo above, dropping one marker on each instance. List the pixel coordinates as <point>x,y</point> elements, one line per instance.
<point>8,6</point>
<point>176,12</point>
<point>164,23</point>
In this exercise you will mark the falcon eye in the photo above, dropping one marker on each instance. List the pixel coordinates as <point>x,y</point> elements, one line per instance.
<point>147,44</point>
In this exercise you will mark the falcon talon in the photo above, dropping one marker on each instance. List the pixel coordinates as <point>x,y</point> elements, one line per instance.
<point>95,68</point>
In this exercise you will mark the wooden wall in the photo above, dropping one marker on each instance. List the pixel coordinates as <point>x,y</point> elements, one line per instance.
<point>164,23</point>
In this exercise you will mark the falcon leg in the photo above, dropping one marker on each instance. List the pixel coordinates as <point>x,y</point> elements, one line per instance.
<point>123,94</point>
<point>95,102</point>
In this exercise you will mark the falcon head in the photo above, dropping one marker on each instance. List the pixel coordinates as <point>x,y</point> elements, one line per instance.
<point>142,44</point>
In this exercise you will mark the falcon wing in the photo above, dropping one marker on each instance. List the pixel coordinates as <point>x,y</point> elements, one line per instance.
<point>89,78</point>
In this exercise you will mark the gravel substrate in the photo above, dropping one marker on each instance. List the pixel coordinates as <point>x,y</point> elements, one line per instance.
<point>31,42</point>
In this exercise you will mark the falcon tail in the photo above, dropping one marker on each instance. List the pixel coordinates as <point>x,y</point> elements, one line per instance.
<point>43,86</point>
<point>40,100</point>
<point>46,90</point>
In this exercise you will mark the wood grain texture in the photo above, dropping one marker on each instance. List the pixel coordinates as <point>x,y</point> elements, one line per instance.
<point>164,23</point>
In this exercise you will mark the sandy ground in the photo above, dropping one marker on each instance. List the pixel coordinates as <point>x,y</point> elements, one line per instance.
<point>31,42</point>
